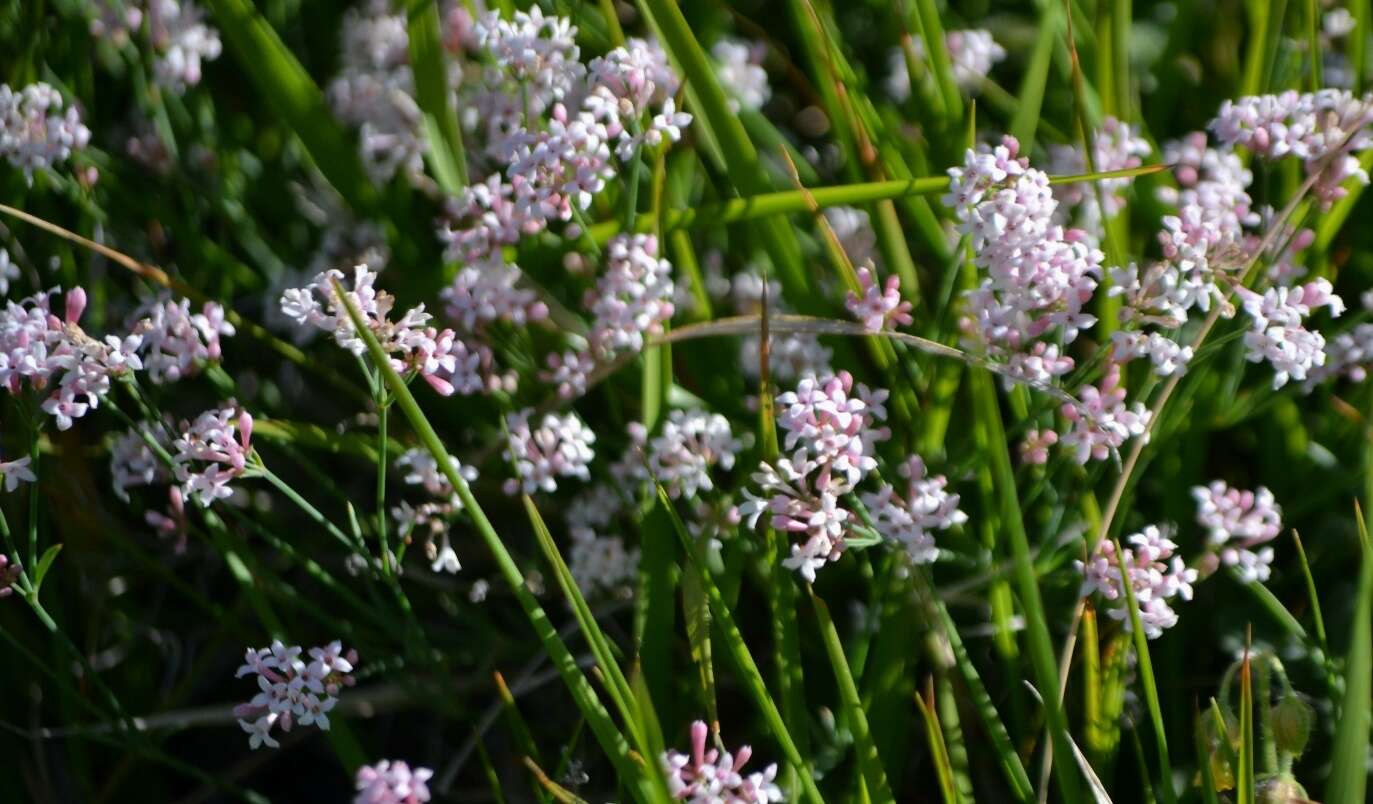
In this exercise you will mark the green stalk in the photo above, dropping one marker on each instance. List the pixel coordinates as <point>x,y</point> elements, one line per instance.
<point>1146,680</point>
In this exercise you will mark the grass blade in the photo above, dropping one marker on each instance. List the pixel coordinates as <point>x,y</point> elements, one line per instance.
<point>1349,772</point>
<point>734,645</point>
<point>1245,792</point>
<point>443,136</point>
<point>942,769</point>
<point>869,763</point>
<point>1146,680</point>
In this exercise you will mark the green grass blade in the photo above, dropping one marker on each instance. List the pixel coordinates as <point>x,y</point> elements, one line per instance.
<point>443,136</point>
<point>696,611</point>
<point>612,741</point>
<point>932,31</point>
<point>1313,598</point>
<point>1245,792</point>
<point>524,740</point>
<point>1040,645</point>
<point>288,90</point>
<point>734,645</point>
<point>869,763</point>
<point>1030,98</point>
<point>1146,680</point>
<point>1349,772</point>
<point>938,752</point>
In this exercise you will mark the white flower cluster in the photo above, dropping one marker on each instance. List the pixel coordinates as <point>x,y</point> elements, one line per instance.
<point>910,521</point>
<point>1157,575</point>
<point>1103,421</point>
<point>421,469</point>
<point>1237,523</point>
<point>392,782</point>
<point>41,350</point>
<point>1347,354</point>
<point>831,430</point>
<point>446,362</point>
<point>133,463</point>
<point>35,132</point>
<point>633,298</point>
<point>1278,333</point>
<point>972,53</point>
<point>182,41</point>
<point>738,68</point>
<point>1040,276</point>
<point>710,776</point>
<point>1325,129</point>
<point>880,307</point>
<point>560,446</point>
<point>1115,146</point>
<point>211,452</point>
<point>681,456</point>
<point>176,341</point>
<point>290,690</point>
<point>375,90</point>
<point>601,564</point>
<point>551,124</point>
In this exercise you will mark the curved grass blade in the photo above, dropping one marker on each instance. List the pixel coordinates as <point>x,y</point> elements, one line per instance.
<point>631,773</point>
<point>935,736</point>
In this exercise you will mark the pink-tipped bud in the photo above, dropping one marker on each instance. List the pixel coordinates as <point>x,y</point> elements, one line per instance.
<point>76,304</point>
<point>698,742</point>
<point>245,430</point>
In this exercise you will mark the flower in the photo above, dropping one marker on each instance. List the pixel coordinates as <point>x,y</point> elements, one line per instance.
<point>211,452</point>
<point>706,777</point>
<point>290,690</point>
<point>16,472</point>
<point>1238,522</point>
<point>34,131</point>
<point>1102,421</point>
<point>559,447</point>
<point>1156,574</point>
<point>176,341</point>
<point>633,298</point>
<point>392,782</point>
<point>744,80</point>
<point>681,456</point>
<point>183,42</point>
<point>879,308</point>
<point>910,522</point>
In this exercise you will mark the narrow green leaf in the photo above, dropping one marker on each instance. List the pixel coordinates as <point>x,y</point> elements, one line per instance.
<point>696,610</point>
<point>869,763</point>
<point>1245,791</point>
<point>44,565</point>
<point>1030,98</point>
<point>932,30</point>
<point>443,136</point>
<point>1348,779</point>
<point>281,81</point>
<point>935,737</point>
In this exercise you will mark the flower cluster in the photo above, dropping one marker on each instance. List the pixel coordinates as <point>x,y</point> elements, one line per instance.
<point>133,463</point>
<point>633,298</point>
<point>1157,575</point>
<point>447,363</point>
<point>880,307</point>
<point>183,42</point>
<point>551,123</point>
<point>1277,332</point>
<point>1040,276</point>
<point>832,427</point>
<point>1325,129</point>
<point>737,66</point>
<point>681,456</point>
<point>601,563</point>
<point>560,446</point>
<point>290,690</point>
<point>39,349</point>
<point>375,91</point>
<point>911,521</point>
<point>1347,354</point>
<point>1103,421</point>
<point>708,776</point>
<point>175,341</point>
<point>421,469</point>
<point>392,782</point>
<point>972,53</point>
<point>211,452</point>
<point>1238,523</point>
<point>1115,146</point>
<point>35,132</point>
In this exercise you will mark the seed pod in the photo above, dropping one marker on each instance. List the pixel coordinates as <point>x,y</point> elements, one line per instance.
<point>1292,720</point>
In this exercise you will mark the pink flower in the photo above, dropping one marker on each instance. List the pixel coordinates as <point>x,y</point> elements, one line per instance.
<point>709,776</point>
<point>392,782</point>
<point>879,308</point>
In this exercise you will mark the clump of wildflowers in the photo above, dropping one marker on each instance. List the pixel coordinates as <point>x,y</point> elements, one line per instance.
<point>681,456</point>
<point>35,132</point>
<point>558,447</point>
<point>1239,526</point>
<point>910,521</point>
<point>392,782</point>
<point>211,452</point>
<point>707,776</point>
<point>435,515</point>
<point>176,342</point>
<point>41,350</point>
<point>879,308</point>
<point>292,691</point>
<point>1157,575</point>
<point>1278,333</point>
